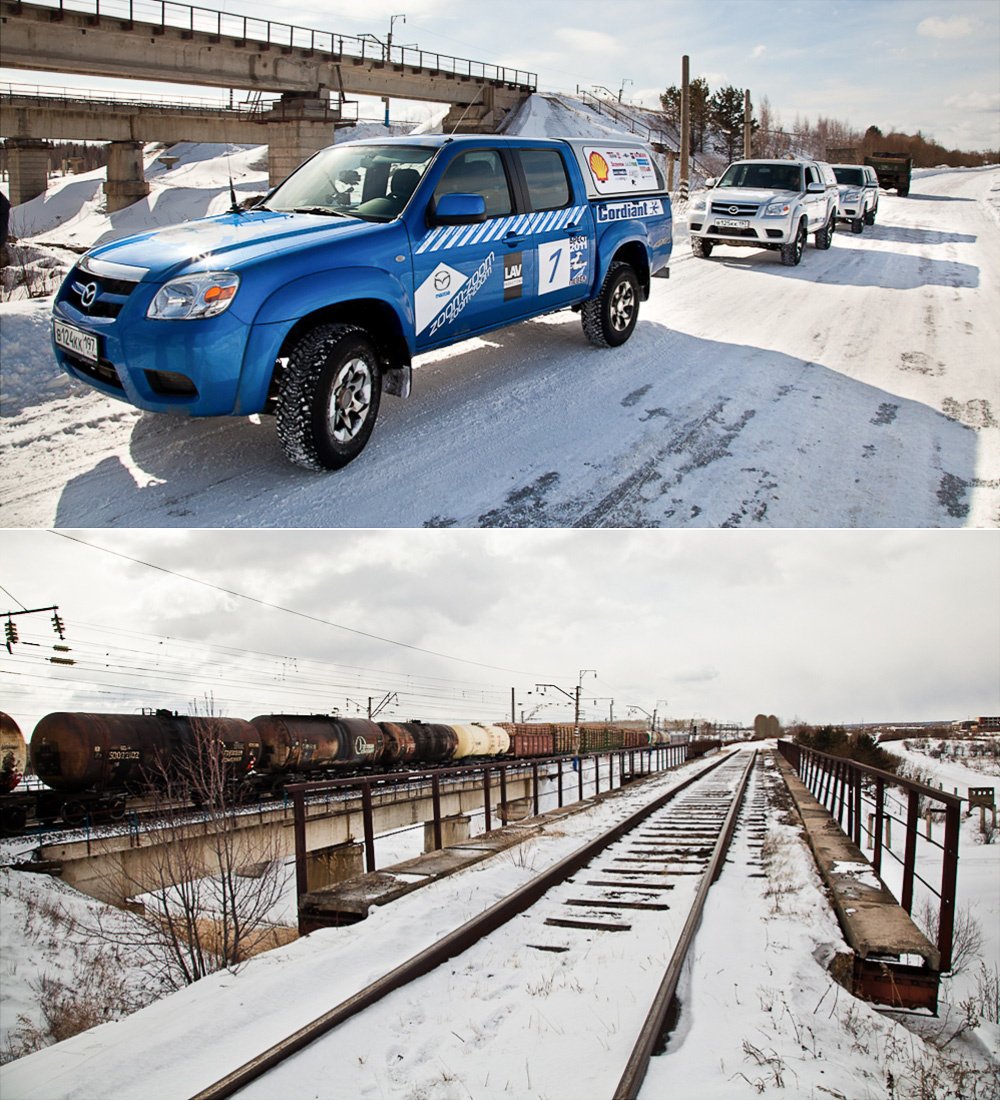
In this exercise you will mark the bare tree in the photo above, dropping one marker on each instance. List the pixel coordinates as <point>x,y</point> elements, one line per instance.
<point>207,884</point>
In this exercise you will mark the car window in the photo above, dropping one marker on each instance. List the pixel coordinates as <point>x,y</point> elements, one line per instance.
<point>478,172</point>
<point>545,174</point>
<point>850,176</point>
<point>777,177</point>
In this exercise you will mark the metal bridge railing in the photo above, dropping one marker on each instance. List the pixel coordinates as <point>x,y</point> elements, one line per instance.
<point>33,93</point>
<point>865,801</point>
<point>246,28</point>
<point>621,764</point>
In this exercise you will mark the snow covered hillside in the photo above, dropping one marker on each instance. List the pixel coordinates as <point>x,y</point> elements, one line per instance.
<point>858,389</point>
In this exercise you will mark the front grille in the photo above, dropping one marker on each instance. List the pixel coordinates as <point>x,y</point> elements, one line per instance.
<point>102,371</point>
<point>95,295</point>
<point>735,209</point>
<point>723,231</point>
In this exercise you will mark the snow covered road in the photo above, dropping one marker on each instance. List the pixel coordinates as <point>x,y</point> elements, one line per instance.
<point>858,389</point>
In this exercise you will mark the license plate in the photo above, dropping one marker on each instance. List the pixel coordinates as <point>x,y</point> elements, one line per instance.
<point>732,223</point>
<point>72,339</point>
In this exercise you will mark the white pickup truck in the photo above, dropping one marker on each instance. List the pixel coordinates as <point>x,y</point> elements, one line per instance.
<point>771,204</point>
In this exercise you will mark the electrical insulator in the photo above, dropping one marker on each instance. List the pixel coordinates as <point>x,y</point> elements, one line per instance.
<point>58,625</point>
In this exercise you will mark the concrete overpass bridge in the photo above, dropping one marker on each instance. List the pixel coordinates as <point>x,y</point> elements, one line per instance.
<point>314,73</point>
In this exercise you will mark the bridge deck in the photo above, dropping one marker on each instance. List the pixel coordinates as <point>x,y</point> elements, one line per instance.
<point>883,937</point>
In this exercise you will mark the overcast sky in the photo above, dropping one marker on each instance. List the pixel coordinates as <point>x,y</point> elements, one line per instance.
<point>927,65</point>
<point>824,626</point>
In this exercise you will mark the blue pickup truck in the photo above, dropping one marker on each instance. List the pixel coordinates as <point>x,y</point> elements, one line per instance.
<point>312,302</point>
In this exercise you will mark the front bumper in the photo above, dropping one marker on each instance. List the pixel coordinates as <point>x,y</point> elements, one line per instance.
<point>189,368</point>
<point>743,226</point>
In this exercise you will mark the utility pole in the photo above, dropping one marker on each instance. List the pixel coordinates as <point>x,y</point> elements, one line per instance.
<point>746,123</point>
<point>685,125</point>
<point>388,41</point>
<point>575,696</point>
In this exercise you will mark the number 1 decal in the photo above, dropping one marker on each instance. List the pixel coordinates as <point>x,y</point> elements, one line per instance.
<point>553,266</point>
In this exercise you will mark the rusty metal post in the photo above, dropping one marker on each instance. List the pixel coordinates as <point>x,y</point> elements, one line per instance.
<point>910,851</point>
<point>879,819</point>
<point>301,871</point>
<point>487,815</point>
<point>503,792</point>
<point>369,826</point>
<point>949,881</point>
<point>436,798</point>
<point>857,806</point>
<point>534,787</point>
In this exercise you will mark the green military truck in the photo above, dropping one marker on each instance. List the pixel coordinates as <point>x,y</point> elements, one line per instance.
<point>893,170</point>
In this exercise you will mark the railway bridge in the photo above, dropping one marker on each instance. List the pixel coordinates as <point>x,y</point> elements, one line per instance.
<point>313,73</point>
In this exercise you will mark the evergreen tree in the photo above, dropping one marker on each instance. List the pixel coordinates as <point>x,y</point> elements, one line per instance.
<point>726,116</point>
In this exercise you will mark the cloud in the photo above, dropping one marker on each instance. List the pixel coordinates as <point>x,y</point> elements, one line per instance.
<point>959,27</point>
<point>583,41</point>
<point>758,51</point>
<point>975,101</point>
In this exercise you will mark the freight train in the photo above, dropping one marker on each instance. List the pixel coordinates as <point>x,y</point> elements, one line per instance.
<point>90,765</point>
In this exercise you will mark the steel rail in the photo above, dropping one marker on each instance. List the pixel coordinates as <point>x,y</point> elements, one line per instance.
<point>652,1029</point>
<point>446,948</point>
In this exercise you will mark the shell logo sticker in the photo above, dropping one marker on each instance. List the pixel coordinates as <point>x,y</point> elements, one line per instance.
<point>599,166</point>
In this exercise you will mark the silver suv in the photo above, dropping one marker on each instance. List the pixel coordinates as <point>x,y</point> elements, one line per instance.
<point>766,204</point>
<point>858,195</point>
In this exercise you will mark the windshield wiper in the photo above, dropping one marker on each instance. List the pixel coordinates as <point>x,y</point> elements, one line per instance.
<point>328,211</point>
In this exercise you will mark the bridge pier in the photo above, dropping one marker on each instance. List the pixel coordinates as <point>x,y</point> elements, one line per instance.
<point>126,181</point>
<point>291,142</point>
<point>453,831</point>
<point>28,167</point>
<point>328,866</point>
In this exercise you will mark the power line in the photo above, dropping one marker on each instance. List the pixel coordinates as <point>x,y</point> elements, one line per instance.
<point>288,610</point>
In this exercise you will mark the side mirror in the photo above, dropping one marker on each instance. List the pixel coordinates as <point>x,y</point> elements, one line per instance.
<point>459,209</point>
<point>711,182</point>
<point>815,188</point>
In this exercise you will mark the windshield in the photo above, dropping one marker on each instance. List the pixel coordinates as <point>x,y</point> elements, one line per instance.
<point>373,182</point>
<point>772,177</point>
<point>850,175</point>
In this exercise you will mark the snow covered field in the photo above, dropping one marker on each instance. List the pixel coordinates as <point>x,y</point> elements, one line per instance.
<point>760,1013</point>
<point>859,389</point>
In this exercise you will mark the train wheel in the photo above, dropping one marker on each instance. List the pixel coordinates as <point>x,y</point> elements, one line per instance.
<point>12,820</point>
<point>116,809</point>
<point>74,813</point>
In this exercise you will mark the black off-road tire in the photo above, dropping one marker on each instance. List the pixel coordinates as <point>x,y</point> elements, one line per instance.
<point>701,248</point>
<point>857,225</point>
<point>824,237</point>
<point>870,215</point>
<point>610,318</point>
<point>328,397</point>
<point>791,252</point>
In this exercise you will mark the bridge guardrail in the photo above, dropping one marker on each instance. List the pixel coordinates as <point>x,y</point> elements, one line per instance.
<point>640,761</point>
<point>190,18</point>
<point>867,798</point>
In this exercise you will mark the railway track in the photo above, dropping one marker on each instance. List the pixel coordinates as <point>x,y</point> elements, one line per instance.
<point>627,903</point>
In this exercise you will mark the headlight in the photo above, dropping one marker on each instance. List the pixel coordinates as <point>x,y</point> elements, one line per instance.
<point>851,196</point>
<point>698,206</point>
<point>777,209</point>
<point>192,297</point>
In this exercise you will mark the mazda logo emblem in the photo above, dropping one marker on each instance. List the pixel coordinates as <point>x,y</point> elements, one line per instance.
<point>734,210</point>
<point>442,280</point>
<point>87,294</point>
